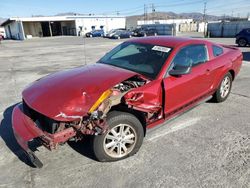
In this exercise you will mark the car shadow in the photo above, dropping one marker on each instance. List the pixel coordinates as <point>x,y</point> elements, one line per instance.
<point>6,132</point>
<point>84,147</point>
<point>246,56</point>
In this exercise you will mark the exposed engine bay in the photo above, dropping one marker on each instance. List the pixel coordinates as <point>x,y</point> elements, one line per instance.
<point>95,123</point>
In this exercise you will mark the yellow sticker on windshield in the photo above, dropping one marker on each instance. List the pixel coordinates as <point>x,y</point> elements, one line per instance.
<point>161,49</point>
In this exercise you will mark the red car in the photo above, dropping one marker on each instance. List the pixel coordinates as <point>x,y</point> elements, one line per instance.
<point>137,85</point>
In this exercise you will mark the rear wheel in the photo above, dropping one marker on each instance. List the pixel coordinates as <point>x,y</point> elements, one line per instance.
<point>123,139</point>
<point>224,89</point>
<point>242,42</point>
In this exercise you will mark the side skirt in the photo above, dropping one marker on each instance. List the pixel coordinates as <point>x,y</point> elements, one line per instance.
<point>176,113</point>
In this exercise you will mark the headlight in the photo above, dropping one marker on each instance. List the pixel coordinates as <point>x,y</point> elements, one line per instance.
<point>104,95</point>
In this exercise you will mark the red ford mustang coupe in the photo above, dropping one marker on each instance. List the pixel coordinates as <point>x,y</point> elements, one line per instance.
<point>137,85</point>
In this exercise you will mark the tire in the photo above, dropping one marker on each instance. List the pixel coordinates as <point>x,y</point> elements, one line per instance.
<point>242,42</point>
<point>114,138</point>
<point>221,95</point>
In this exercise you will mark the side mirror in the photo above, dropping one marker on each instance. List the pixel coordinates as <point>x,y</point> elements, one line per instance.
<point>180,70</point>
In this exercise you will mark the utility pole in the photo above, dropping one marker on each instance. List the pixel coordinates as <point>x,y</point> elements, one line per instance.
<point>145,13</point>
<point>204,17</point>
<point>153,11</point>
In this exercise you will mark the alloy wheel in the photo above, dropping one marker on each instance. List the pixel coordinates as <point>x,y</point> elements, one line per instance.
<point>225,87</point>
<point>242,42</point>
<point>120,141</point>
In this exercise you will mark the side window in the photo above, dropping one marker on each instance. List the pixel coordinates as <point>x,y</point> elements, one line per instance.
<point>193,54</point>
<point>217,51</point>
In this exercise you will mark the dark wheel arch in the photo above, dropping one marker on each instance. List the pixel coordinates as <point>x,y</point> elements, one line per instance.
<point>232,73</point>
<point>141,116</point>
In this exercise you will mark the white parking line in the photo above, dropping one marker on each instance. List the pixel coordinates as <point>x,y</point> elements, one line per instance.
<point>246,63</point>
<point>173,128</point>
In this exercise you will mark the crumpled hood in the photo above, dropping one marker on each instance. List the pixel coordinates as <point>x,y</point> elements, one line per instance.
<point>68,95</point>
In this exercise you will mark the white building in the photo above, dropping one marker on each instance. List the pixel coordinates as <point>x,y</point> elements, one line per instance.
<point>2,32</point>
<point>23,28</point>
<point>202,27</point>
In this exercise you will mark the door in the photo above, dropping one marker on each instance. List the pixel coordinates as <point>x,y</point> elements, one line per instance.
<point>181,90</point>
<point>9,32</point>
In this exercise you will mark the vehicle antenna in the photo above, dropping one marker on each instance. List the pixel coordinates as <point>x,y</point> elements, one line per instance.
<point>84,50</point>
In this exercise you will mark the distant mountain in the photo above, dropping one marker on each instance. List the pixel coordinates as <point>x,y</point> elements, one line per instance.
<point>71,14</point>
<point>196,16</point>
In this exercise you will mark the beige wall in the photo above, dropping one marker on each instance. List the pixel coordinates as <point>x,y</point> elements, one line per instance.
<point>33,28</point>
<point>187,27</point>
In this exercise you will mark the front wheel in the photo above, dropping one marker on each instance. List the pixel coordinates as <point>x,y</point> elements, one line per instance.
<point>242,42</point>
<point>123,139</point>
<point>224,89</point>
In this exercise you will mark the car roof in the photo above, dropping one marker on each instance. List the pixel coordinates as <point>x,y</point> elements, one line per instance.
<point>168,41</point>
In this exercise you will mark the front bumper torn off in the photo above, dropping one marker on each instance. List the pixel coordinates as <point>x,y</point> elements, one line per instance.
<point>25,130</point>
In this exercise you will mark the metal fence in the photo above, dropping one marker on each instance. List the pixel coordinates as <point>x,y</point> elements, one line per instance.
<point>162,29</point>
<point>226,29</point>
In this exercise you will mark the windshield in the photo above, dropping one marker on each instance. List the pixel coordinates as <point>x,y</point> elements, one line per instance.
<point>111,31</point>
<point>145,59</point>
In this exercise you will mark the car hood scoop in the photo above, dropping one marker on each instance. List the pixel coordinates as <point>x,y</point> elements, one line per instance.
<point>69,95</point>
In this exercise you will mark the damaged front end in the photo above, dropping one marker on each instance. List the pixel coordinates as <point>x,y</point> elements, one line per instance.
<point>136,93</point>
<point>28,124</point>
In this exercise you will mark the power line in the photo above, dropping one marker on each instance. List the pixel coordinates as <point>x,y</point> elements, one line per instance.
<point>179,4</point>
<point>144,8</point>
<point>139,8</point>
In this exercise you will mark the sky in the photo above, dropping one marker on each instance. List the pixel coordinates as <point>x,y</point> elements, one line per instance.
<point>27,8</point>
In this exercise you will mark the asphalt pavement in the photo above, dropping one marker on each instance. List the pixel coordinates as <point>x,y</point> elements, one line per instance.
<point>208,146</point>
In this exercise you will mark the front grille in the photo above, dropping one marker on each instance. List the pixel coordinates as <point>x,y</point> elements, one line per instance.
<point>44,123</point>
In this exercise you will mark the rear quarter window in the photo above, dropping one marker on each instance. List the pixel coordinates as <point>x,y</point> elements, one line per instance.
<point>217,51</point>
